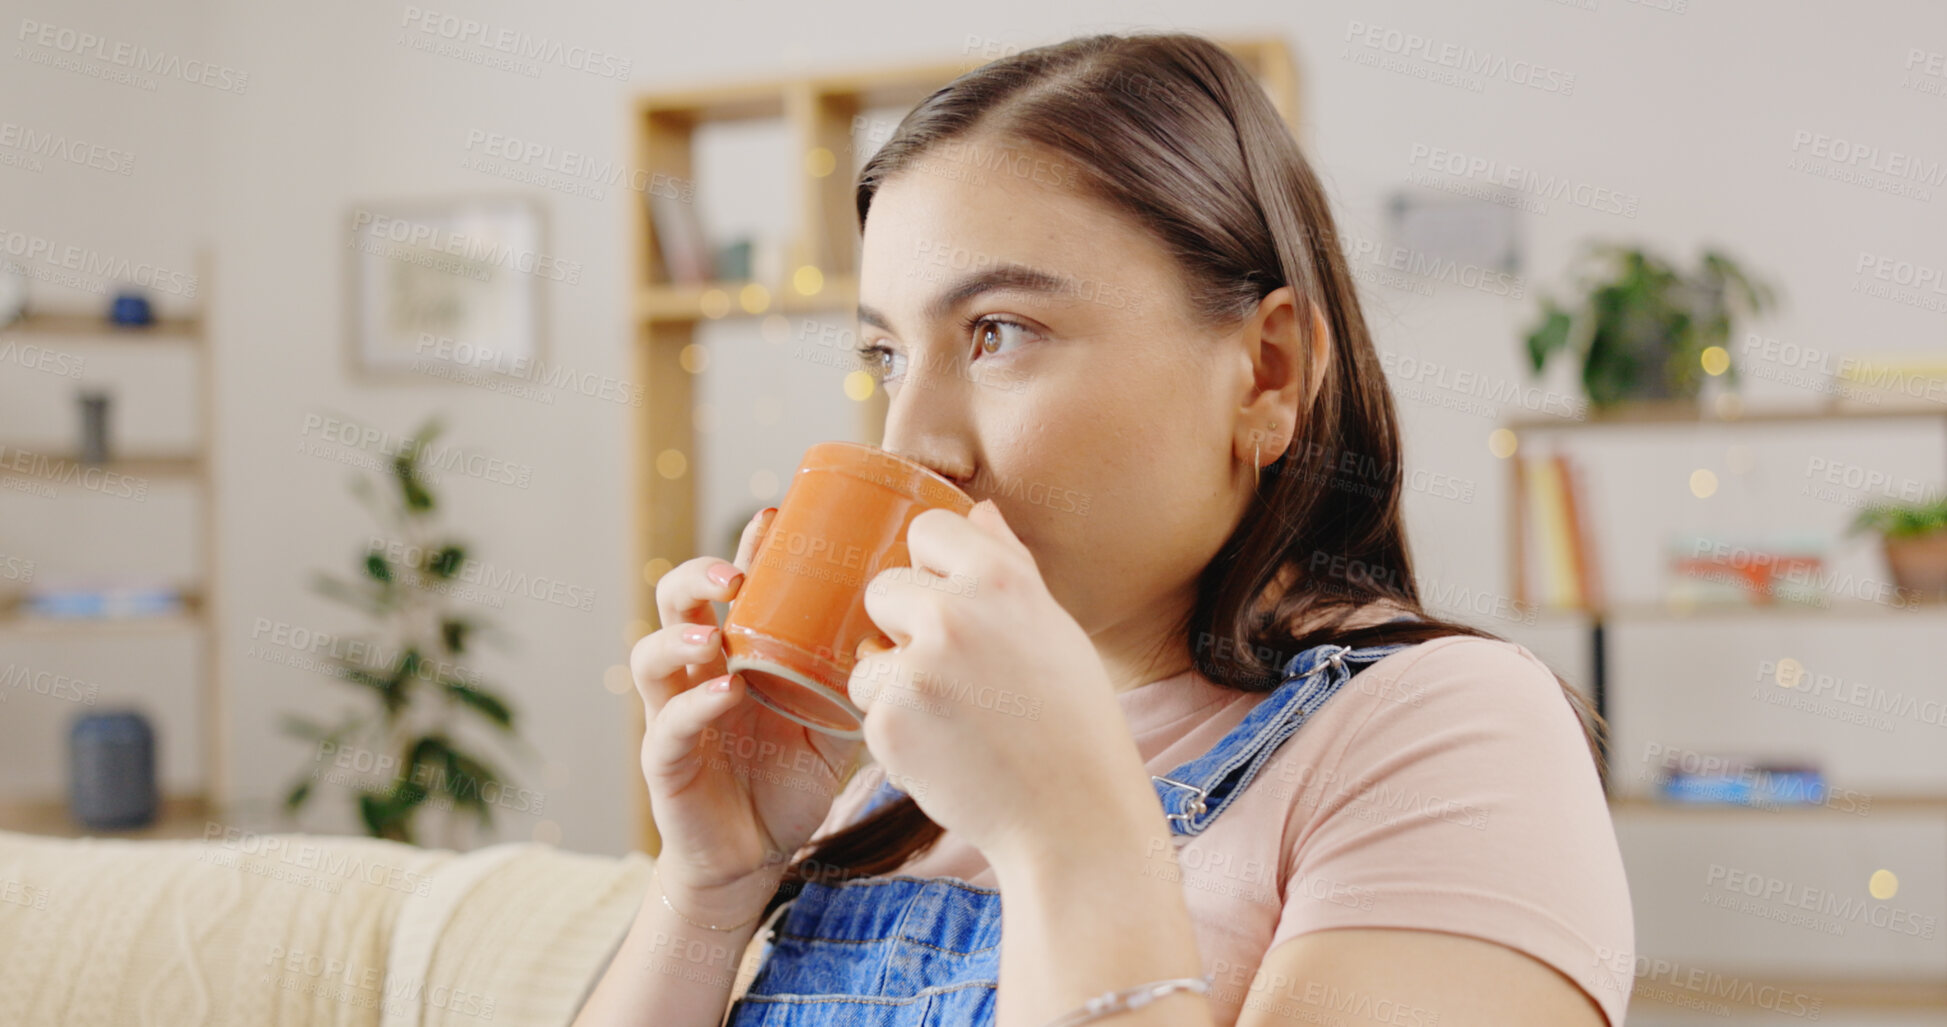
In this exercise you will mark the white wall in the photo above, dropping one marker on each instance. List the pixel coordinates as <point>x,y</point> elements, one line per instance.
<point>1695,112</point>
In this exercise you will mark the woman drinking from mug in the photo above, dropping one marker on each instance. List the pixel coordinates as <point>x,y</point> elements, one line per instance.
<point>1239,774</point>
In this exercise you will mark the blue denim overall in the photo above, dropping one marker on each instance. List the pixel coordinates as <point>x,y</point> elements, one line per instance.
<point>900,951</point>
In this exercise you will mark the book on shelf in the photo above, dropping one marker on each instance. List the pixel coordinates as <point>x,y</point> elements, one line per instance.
<point>1556,559</point>
<point>1747,784</point>
<point>680,241</point>
<point>1754,571</point>
<point>114,602</point>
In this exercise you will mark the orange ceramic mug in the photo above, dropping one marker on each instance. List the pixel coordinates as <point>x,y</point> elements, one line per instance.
<point>797,622</point>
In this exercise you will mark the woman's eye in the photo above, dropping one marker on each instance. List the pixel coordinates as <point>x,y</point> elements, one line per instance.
<point>991,334</point>
<point>881,362</point>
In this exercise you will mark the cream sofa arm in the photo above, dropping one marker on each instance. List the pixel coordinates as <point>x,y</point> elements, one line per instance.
<point>304,929</point>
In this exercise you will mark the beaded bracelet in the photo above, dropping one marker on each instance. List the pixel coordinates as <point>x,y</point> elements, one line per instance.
<point>1131,998</point>
<point>692,923</point>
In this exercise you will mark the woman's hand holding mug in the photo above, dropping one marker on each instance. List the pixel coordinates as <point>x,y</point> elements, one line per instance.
<point>736,790</point>
<point>994,711</point>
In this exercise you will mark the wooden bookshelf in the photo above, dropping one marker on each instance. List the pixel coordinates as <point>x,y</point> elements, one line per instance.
<point>1882,995</point>
<point>1640,806</point>
<point>1836,609</point>
<point>177,817</point>
<point>1694,416</point>
<point>1685,415</point>
<point>1698,415</point>
<point>89,329</point>
<point>817,110</point>
<point>199,611</point>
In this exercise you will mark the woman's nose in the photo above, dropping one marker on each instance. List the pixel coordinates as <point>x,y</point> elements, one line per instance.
<point>930,428</point>
<point>959,472</point>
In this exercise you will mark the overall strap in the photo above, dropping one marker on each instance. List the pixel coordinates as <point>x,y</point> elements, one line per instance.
<point>1194,793</point>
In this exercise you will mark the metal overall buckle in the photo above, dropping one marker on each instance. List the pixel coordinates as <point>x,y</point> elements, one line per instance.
<point>1197,807</point>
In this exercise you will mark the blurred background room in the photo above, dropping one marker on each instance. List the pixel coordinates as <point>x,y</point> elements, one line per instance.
<point>1659,285</point>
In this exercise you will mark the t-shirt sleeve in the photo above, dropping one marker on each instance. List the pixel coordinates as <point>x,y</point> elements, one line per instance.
<point>1465,801</point>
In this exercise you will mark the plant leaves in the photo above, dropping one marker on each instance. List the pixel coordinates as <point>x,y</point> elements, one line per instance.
<point>492,706</point>
<point>391,690</point>
<point>303,727</point>
<point>419,500</point>
<point>373,811</point>
<point>1647,322</point>
<point>446,562</point>
<point>473,775</point>
<point>408,473</point>
<point>1549,337</point>
<point>415,621</point>
<point>410,662</point>
<point>373,603</point>
<point>387,816</point>
<point>453,632</point>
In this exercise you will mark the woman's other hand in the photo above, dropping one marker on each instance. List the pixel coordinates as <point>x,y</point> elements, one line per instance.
<point>993,711</point>
<point>736,790</point>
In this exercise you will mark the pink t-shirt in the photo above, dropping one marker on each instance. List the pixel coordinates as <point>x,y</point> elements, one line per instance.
<point>1446,788</point>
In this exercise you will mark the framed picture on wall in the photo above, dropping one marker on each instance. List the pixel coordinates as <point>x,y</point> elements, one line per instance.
<point>448,288</point>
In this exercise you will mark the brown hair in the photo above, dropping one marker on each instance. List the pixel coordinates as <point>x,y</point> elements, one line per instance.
<point>1172,130</point>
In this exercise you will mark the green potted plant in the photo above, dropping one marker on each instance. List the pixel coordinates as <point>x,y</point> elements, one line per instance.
<point>1914,538</point>
<point>1641,328</point>
<point>406,756</point>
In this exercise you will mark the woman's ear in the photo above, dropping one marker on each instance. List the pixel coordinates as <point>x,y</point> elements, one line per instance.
<point>1321,355</point>
<point>1282,377</point>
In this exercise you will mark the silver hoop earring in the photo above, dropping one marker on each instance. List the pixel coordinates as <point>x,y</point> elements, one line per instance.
<point>1257,463</point>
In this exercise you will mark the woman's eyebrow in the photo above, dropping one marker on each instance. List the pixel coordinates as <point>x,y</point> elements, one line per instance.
<point>1012,277</point>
